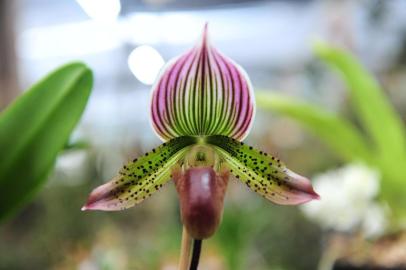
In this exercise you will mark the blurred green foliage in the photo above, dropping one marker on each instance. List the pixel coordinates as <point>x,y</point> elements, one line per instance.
<point>35,128</point>
<point>381,143</point>
<point>255,234</point>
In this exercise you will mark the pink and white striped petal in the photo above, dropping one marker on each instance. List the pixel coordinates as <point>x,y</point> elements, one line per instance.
<point>202,92</point>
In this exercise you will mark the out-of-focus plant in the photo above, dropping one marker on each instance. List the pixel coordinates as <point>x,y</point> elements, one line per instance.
<point>34,128</point>
<point>381,144</point>
<point>202,107</point>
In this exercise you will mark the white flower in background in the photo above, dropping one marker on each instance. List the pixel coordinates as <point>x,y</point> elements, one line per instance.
<point>348,200</point>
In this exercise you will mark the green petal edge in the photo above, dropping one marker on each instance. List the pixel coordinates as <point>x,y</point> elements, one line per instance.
<point>140,178</point>
<point>263,173</point>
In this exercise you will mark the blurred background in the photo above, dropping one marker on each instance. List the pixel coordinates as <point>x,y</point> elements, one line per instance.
<point>126,43</point>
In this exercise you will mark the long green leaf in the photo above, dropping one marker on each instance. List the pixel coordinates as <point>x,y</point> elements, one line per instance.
<point>372,106</point>
<point>380,120</point>
<point>35,128</point>
<point>339,134</point>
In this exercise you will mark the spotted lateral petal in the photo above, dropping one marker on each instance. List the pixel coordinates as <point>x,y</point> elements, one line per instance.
<point>140,178</point>
<point>264,174</point>
<point>202,92</point>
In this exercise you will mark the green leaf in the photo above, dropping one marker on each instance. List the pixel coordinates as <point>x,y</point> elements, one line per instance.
<point>373,108</point>
<point>35,128</point>
<point>78,145</point>
<point>336,132</point>
<point>380,120</point>
<point>140,178</point>
<point>263,173</point>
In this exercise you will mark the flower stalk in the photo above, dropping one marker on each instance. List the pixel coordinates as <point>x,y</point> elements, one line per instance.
<point>185,249</point>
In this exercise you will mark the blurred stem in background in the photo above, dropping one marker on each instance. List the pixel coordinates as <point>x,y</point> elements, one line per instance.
<point>8,69</point>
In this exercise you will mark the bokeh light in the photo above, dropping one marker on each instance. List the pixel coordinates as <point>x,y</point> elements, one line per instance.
<point>145,63</point>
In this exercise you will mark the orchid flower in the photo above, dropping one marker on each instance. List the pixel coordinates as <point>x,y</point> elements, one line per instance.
<point>202,108</point>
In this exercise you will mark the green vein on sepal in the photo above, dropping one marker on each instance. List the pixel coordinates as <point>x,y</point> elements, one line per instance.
<point>141,177</point>
<point>263,173</point>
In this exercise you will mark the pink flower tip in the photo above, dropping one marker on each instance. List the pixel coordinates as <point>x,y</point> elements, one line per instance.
<point>315,195</point>
<point>302,187</point>
<point>312,195</point>
<point>101,198</point>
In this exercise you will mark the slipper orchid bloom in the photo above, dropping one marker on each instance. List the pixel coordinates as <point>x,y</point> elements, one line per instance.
<point>202,108</point>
